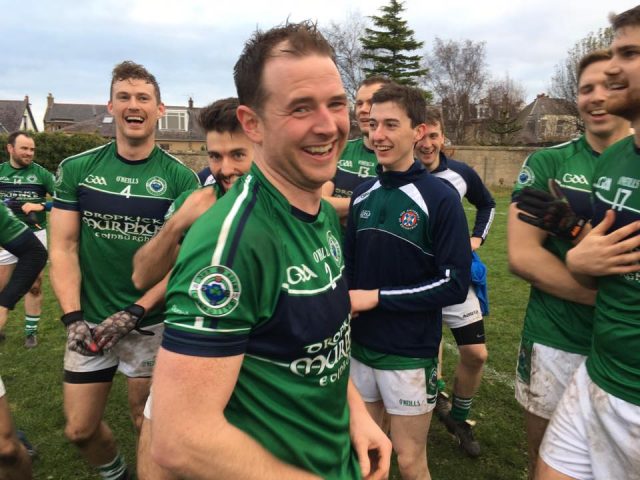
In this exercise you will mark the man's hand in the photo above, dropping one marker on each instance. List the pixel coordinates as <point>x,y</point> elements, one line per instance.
<point>550,211</point>
<point>599,254</point>
<point>109,332</point>
<point>363,300</point>
<point>476,242</point>
<point>29,207</point>
<point>195,205</point>
<point>79,338</point>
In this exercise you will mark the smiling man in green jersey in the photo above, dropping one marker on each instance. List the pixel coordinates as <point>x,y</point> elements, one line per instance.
<point>24,186</point>
<point>108,202</point>
<point>558,322</point>
<point>595,430</point>
<point>252,380</point>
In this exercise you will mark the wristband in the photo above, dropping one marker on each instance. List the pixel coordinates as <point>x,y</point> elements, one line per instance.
<point>72,317</point>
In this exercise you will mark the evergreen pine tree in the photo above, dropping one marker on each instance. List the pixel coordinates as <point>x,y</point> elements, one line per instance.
<point>388,47</point>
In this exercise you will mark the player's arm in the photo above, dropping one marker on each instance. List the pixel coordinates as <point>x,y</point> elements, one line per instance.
<point>599,253</point>
<point>32,257</point>
<point>529,260</point>
<point>371,444</point>
<point>340,204</point>
<point>155,259</point>
<point>63,251</point>
<point>190,435</point>
<point>479,196</point>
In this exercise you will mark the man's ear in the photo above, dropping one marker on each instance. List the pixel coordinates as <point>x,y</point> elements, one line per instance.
<point>251,123</point>
<point>419,133</point>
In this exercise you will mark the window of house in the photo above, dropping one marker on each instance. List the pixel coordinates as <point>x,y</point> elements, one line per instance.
<point>174,120</point>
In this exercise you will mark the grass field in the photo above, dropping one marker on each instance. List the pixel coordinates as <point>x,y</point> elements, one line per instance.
<point>33,379</point>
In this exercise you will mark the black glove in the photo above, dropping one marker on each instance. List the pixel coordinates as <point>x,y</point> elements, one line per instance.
<point>550,211</point>
<point>79,338</point>
<point>109,332</point>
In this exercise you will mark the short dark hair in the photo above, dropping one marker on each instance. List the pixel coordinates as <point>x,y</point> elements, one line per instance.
<point>409,98</point>
<point>629,18</point>
<point>591,58</point>
<point>131,70</point>
<point>433,116</point>
<point>301,39</point>
<point>11,139</point>
<point>375,80</point>
<point>220,116</point>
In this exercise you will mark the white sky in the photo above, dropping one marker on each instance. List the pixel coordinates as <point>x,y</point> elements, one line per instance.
<point>68,47</point>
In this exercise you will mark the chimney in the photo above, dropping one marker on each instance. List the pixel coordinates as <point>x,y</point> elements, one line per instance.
<point>190,103</point>
<point>26,99</point>
<point>49,100</point>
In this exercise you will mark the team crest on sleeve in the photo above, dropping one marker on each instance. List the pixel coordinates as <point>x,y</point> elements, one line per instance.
<point>526,176</point>
<point>215,290</point>
<point>156,186</point>
<point>409,219</point>
<point>334,248</point>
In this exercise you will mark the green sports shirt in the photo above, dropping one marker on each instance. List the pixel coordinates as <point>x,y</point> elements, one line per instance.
<point>122,204</point>
<point>550,320</point>
<point>259,278</point>
<point>614,359</point>
<point>28,184</point>
<point>10,227</point>
<point>357,164</point>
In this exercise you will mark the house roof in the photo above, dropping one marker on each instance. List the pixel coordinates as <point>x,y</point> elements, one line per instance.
<point>102,124</point>
<point>73,112</point>
<point>541,107</point>
<point>11,114</point>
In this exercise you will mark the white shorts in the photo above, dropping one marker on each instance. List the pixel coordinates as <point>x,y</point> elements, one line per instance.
<point>593,434</point>
<point>135,355</point>
<point>542,376</point>
<point>7,258</point>
<point>147,406</point>
<point>2,390</point>
<point>463,314</point>
<point>403,392</point>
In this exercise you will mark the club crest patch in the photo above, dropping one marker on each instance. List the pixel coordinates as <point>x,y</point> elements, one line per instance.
<point>409,219</point>
<point>334,248</point>
<point>58,179</point>
<point>215,290</point>
<point>156,186</point>
<point>526,176</point>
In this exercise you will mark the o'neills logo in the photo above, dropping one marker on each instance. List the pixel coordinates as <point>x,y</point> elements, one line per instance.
<point>327,359</point>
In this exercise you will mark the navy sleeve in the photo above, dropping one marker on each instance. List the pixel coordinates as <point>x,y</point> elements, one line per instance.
<point>32,257</point>
<point>452,260</point>
<point>350,243</point>
<point>481,198</point>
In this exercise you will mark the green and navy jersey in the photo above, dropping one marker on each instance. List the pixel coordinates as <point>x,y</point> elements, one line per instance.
<point>27,184</point>
<point>122,204</point>
<point>407,236</point>
<point>257,277</point>
<point>10,227</point>
<point>550,320</point>
<point>357,164</point>
<point>614,362</point>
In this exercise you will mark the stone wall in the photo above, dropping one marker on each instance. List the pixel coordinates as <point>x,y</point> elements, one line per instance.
<point>497,166</point>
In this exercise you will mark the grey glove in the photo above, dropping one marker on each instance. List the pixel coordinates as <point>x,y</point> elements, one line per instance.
<point>79,338</point>
<point>109,332</point>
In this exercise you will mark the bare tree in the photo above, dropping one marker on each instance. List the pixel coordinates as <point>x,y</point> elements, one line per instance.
<point>504,100</point>
<point>564,83</point>
<point>345,39</point>
<point>457,74</point>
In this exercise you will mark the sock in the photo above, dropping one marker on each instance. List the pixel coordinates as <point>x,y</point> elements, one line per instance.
<point>31,324</point>
<point>460,408</point>
<point>115,469</point>
<point>441,384</point>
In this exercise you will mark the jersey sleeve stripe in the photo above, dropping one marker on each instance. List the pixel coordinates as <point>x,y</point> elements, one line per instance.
<point>243,220</point>
<point>179,341</point>
<point>423,288</point>
<point>65,205</point>
<point>228,221</point>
